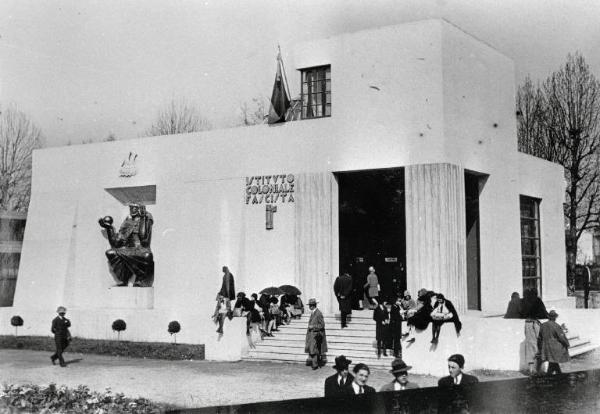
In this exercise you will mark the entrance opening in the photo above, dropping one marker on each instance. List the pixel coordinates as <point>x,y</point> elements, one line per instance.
<point>372,229</point>
<point>473,185</point>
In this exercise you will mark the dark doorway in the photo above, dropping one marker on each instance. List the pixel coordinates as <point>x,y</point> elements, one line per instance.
<point>473,186</point>
<point>372,228</point>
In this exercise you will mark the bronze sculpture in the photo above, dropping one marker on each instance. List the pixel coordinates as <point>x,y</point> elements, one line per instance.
<point>130,253</point>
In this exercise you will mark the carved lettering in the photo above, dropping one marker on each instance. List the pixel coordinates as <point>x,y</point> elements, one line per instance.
<point>275,188</point>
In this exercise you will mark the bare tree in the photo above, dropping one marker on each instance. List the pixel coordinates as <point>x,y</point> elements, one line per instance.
<point>253,113</point>
<point>19,136</point>
<point>560,121</point>
<point>179,117</point>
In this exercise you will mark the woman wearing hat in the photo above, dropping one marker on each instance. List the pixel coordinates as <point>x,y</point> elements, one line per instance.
<point>553,344</point>
<point>337,383</point>
<point>62,336</point>
<point>400,382</point>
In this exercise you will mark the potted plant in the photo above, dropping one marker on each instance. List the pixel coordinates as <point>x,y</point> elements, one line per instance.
<point>16,321</point>
<point>174,328</point>
<point>118,326</point>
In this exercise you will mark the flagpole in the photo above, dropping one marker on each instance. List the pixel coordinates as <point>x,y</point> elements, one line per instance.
<point>284,75</point>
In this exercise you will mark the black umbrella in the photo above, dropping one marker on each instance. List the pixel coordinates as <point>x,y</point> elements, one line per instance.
<point>272,290</point>
<point>290,290</point>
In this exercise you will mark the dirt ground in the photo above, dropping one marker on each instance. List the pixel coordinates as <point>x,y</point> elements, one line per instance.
<point>201,383</point>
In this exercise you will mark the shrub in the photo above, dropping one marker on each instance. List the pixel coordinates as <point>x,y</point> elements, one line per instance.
<point>174,328</point>
<point>61,399</point>
<point>119,325</point>
<point>16,321</point>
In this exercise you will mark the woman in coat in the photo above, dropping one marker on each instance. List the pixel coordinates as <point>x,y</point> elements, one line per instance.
<point>372,287</point>
<point>553,344</point>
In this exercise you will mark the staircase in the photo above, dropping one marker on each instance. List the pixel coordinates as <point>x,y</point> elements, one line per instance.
<point>357,343</point>
<point>579,346</point>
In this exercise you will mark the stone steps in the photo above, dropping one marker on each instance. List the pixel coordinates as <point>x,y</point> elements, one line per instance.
<point>357,342</point>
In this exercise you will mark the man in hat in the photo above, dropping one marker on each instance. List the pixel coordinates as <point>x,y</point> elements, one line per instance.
<point>62,336</point>
<point>553,344</point>
<point>400,372</point>
<point>337,383</point>
<point>342,287</point>
<point>315,344</point>
<point>456,363</point>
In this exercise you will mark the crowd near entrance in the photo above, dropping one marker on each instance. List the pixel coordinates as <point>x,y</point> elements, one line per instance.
<point>372,229</point>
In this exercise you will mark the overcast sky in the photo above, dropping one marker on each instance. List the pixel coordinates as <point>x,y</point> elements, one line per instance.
<point>83,69</point>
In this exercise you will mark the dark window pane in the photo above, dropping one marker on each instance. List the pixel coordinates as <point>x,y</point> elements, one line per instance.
<point>316,89</point>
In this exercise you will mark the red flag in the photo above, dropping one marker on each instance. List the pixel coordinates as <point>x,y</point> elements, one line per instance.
<point>280,99</point>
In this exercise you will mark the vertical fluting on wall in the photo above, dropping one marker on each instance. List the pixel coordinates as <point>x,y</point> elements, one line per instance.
<point>436,231</point>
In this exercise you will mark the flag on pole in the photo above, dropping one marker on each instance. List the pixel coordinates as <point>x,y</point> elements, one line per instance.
<point>280,99</point>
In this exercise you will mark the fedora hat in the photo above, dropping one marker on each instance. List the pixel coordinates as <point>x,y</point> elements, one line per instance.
<point>398,365</point>
<point>341,362</point>
<point>61,309</point>
<point>312,301</point>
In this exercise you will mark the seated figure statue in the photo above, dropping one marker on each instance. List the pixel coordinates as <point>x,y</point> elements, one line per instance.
<point>130,253</point>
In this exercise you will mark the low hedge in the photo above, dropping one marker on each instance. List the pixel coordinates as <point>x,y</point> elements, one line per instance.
<point>154,350</point>
<point>53,399</point>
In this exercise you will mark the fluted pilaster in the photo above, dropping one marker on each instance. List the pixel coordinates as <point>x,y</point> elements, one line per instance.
<point>436,231</point>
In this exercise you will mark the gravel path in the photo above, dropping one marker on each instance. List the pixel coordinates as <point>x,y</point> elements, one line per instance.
<point>200,383</point>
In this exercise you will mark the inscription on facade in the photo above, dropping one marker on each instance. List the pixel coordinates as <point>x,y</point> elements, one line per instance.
<point>270,189</point>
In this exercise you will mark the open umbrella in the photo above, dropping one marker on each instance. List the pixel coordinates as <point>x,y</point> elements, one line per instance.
<point>290,290</point>
<point>272,290</point>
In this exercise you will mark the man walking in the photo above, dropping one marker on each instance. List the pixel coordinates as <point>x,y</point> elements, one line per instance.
<point>316,341</point>
<point>342,288</point>
<point>400,372</point>
<point>337,383</point>
<point>62,336</point>
<point>553,344</point>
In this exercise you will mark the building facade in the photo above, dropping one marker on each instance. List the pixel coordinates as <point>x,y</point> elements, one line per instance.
<point>406,159</point>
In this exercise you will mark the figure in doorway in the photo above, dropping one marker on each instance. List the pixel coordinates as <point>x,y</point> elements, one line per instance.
<point>372,288</point>
<point>130,253</point>
<point>342,288</point>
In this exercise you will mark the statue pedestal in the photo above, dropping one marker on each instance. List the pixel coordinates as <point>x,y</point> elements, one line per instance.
<point>125,297</point>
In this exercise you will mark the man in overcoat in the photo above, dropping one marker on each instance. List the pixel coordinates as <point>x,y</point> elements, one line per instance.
<point>381,316</point>
<point>62,336</point>
<point>228,285</point>
<point>336,384</point>
<point>342,287</point>
<point>316,341</point>
<point>553,344</point>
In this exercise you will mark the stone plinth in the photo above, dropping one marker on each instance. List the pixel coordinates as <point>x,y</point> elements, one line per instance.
<point>230,346</point>
<point>130,298</point>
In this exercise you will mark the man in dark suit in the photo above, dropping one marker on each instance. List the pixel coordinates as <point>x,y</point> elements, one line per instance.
<point>337,383</point>
<point>359,385</point>
<point>342,288</point>
<point>62,336</point>
<point>456,364</point>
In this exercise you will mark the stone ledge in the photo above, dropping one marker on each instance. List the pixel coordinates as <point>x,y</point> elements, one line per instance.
<point>126,297</point>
